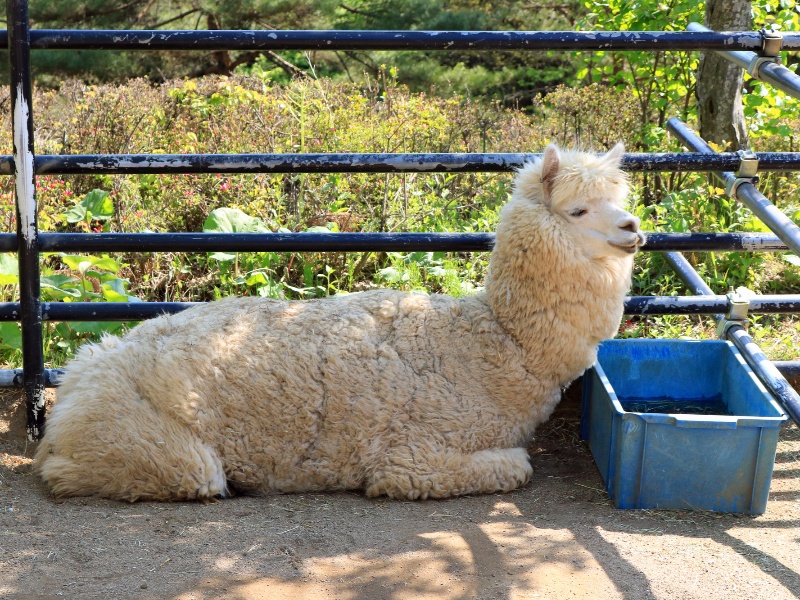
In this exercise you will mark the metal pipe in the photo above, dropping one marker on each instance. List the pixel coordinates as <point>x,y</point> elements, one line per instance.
<point>766,372</point>
<point>761,365</point>
<point>772,72</point>
<point>746,193</point>
<point>359,242</point>
<point>27,229</point>
<point>684,269</point>
<point>790,369</point>
<point>713,242</point>
<point>706,304</point>
<point>398,40</point>
<point>13,378</point>
<point>466,162</point>
<point>267,242</point>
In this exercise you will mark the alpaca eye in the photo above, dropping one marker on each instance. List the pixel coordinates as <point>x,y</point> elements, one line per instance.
<point>578,212</point>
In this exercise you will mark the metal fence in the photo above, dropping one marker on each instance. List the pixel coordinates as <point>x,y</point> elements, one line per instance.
<point>754,51</point>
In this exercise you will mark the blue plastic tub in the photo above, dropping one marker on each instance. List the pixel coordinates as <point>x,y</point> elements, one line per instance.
<point>720,462</point>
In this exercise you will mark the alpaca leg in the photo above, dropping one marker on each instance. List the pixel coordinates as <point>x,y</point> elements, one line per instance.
<point>134,454</point>
<point>142,473</point>
<point>407,474</point>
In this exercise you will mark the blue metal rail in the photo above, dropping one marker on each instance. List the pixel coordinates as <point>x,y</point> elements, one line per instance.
<point>359,242</point>
<point>400,40</point>
<point>24,164</point>
<point>373,163</point>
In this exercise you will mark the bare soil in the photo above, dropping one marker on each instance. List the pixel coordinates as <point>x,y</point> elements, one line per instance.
<point>559,537</point>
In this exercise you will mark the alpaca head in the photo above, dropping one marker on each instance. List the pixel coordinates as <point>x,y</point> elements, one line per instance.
<point>585,194</point>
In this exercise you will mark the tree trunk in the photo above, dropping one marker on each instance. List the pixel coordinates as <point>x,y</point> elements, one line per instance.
<point>719,81</point>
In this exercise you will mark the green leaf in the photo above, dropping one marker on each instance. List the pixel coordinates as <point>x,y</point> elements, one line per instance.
<point>59,287</point>
<point>58,281</point>
<point>10,336</point>
<point>257,278</point>
<point>9,269</point>
<point>392,275</point>
<point>9,264</point>
<point>82,263</point>
<point>233,220</point>
<point>114,291</point>
<point>97,204</point>
<point>318,229</point>
<point>106,264</point>
<point>223,256</point>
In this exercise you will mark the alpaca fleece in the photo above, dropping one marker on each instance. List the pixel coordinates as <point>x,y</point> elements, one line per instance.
<point>407,395</point>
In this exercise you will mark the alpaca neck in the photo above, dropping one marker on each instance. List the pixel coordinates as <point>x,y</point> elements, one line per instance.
<point>557,305</point>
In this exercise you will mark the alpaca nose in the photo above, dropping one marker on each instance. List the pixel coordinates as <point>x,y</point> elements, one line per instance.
<point>630,223</point>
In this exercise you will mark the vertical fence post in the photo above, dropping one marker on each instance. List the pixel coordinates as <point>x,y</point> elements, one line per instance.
<point>27,228</point>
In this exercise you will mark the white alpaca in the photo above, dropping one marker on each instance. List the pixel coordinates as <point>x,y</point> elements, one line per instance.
<point>408,395</point>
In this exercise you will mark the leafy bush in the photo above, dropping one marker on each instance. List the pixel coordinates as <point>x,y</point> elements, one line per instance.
<point>247,114</point>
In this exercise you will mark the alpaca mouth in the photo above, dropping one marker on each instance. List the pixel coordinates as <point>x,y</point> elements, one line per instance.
<point>632,247</point>
<point>629,249</point>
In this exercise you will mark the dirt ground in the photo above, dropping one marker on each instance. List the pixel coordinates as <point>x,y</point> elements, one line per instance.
<point>559,537</point>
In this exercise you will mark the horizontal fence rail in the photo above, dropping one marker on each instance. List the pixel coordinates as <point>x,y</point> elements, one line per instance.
<point>634,305</point>
<point>359,242</point>
<point>55,39</point>
<point>467,162</point>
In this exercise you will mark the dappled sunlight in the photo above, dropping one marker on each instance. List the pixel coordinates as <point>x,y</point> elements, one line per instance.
<point>501,559</point>
<point>443,569</point>
<point>502,508</point>
<point>559,537</point>
<point>720,560</point>
<point>548,562</point>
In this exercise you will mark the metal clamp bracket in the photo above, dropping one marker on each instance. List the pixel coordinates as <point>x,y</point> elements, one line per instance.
<point>738,307</point>
<point>746,173</point>
<point>771,42</point>
<point>757,61</point>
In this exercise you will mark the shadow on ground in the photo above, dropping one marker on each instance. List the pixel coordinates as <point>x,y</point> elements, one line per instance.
<point>560,537</point>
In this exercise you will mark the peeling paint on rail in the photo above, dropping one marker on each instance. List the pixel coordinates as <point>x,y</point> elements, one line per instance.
<point>393,39</point>
<point>24,169</point>
<point>374,162</point>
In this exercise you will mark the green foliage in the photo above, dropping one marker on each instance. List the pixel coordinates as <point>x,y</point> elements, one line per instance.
<point>428,271</point>
<point>660,83</point>
<point>95,206</point>
<point>514,78</point>
<point>627,98</point>
<point>233,220</point>
<point>65,278</point>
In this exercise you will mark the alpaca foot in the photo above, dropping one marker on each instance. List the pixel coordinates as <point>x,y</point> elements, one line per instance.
<point>501,470</point>
<point>487,471</point>
<point>211,476</point>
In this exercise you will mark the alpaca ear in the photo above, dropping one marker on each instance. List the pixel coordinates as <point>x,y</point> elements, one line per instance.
<point>550,163</point>
<point>616,153</point>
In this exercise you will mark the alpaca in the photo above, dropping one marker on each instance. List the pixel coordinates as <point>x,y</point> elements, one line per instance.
<point>406,395</point>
